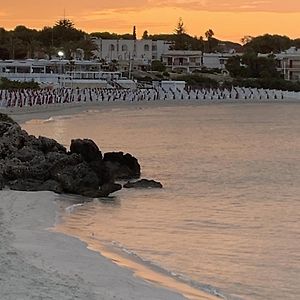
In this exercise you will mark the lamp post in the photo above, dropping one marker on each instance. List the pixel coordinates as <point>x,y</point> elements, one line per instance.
<point>60,54</point>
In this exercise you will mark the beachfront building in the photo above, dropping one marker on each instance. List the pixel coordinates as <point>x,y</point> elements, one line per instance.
<point>216,60</point>
<point>130,54</point>
<point>58,72</point>
<point>193,61</point>
<point>289,64</point>
<point>183,61</point>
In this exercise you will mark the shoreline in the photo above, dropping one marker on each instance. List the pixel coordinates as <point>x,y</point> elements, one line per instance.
<point>41,261</point>
<point>37,262</point>
<point>141,269</point>
<point>24,114</point>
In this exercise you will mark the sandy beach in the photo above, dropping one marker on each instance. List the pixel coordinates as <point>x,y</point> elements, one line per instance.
<point>39,264</point>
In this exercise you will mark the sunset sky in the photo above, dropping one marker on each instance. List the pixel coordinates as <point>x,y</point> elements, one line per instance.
<point>229,19</point>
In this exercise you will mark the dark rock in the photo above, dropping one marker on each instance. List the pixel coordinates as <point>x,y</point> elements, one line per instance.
<point>35,185</point>
<point>122,166</point>
<point>143,183</point>
<point>87,148</point>
<point>60,161</point>
<point>26,154</point>
<point>15,169</point>
<point>25,184</point>
<point>52,185</point>
<point>50,145</point>
<point>6,119</point>
<point>109,188</point>
<point>105,190</point>
<point>4,126</point>
<point>76,179</point>
<point>103,173</point>
<point>2,182</point>
<point>28,163</point>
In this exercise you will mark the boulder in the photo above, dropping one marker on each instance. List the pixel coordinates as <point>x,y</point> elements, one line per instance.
<point>50,145</point>
<point>2,183</point>
<point>122,166</point>
<point>27,154</point>
<point>35,185</point>
<point>87,149</point>
<point>76,179</point>
<point>103,173</point>
<point>105,190</point>
<point>6,119</point>
<point>28,163</point>
<point>143,183</point>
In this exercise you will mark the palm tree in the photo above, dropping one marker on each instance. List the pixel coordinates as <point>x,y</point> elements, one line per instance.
<point>65,23</point>
<point>209,35</point>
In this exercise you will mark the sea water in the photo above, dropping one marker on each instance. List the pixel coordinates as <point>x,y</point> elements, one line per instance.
<point>228,217</point>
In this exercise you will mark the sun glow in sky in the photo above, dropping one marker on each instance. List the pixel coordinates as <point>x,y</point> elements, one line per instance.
<point>229,19</point>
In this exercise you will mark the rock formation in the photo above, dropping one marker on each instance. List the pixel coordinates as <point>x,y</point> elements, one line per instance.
<point>143,183</point>
<point>30,163</point>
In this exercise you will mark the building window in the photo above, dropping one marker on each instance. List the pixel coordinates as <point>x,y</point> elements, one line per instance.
<point>154,48</point>
<point>170,61</point>
<point>146,48</point>
<point>124,48</point>
<point>112,47</point>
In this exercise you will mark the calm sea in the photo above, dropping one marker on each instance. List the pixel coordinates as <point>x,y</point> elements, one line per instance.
<point>228,218</point>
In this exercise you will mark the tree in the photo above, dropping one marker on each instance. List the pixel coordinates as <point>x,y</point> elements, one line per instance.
<point>180,38</point>
<point>209,36</point>
<point>66,23</point>
<point>27,39</point>
<point>252,66</point>
<point>268,44</point>
<point>158,66</point>
<point>246,39</point>
<point>145,35</point>
<point>64,31</point>
<point>134,33</point>
<point>180,29</point>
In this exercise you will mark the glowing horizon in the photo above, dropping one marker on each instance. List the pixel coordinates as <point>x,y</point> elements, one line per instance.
<point>229,19</point>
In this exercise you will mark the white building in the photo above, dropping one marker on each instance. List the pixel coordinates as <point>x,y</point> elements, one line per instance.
<point>216,60</point>
<point>183,61</point>
<point>191,61</point>
<point>137,54</point>
<point>289,63</point>
<point>58,72</point>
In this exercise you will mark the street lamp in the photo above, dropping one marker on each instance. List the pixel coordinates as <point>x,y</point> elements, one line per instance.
<point>60,55</point>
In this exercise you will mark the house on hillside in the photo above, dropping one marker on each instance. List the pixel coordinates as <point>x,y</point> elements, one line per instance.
<point>289,64</point>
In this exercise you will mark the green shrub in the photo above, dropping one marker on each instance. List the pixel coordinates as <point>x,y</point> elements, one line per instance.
<point>6,84</point>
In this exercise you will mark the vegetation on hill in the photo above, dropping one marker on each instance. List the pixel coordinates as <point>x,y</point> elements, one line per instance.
<point>23,42</point>
<point>268,43</point>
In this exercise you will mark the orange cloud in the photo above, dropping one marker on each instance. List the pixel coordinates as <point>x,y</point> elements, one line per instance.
<point>234,5</point>
<point>230,19</point>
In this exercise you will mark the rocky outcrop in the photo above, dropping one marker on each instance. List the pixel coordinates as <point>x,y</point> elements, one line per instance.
<point>143,183</point>
<point>30,163</point>
<point>87,149</point>
<point>122,166</point>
